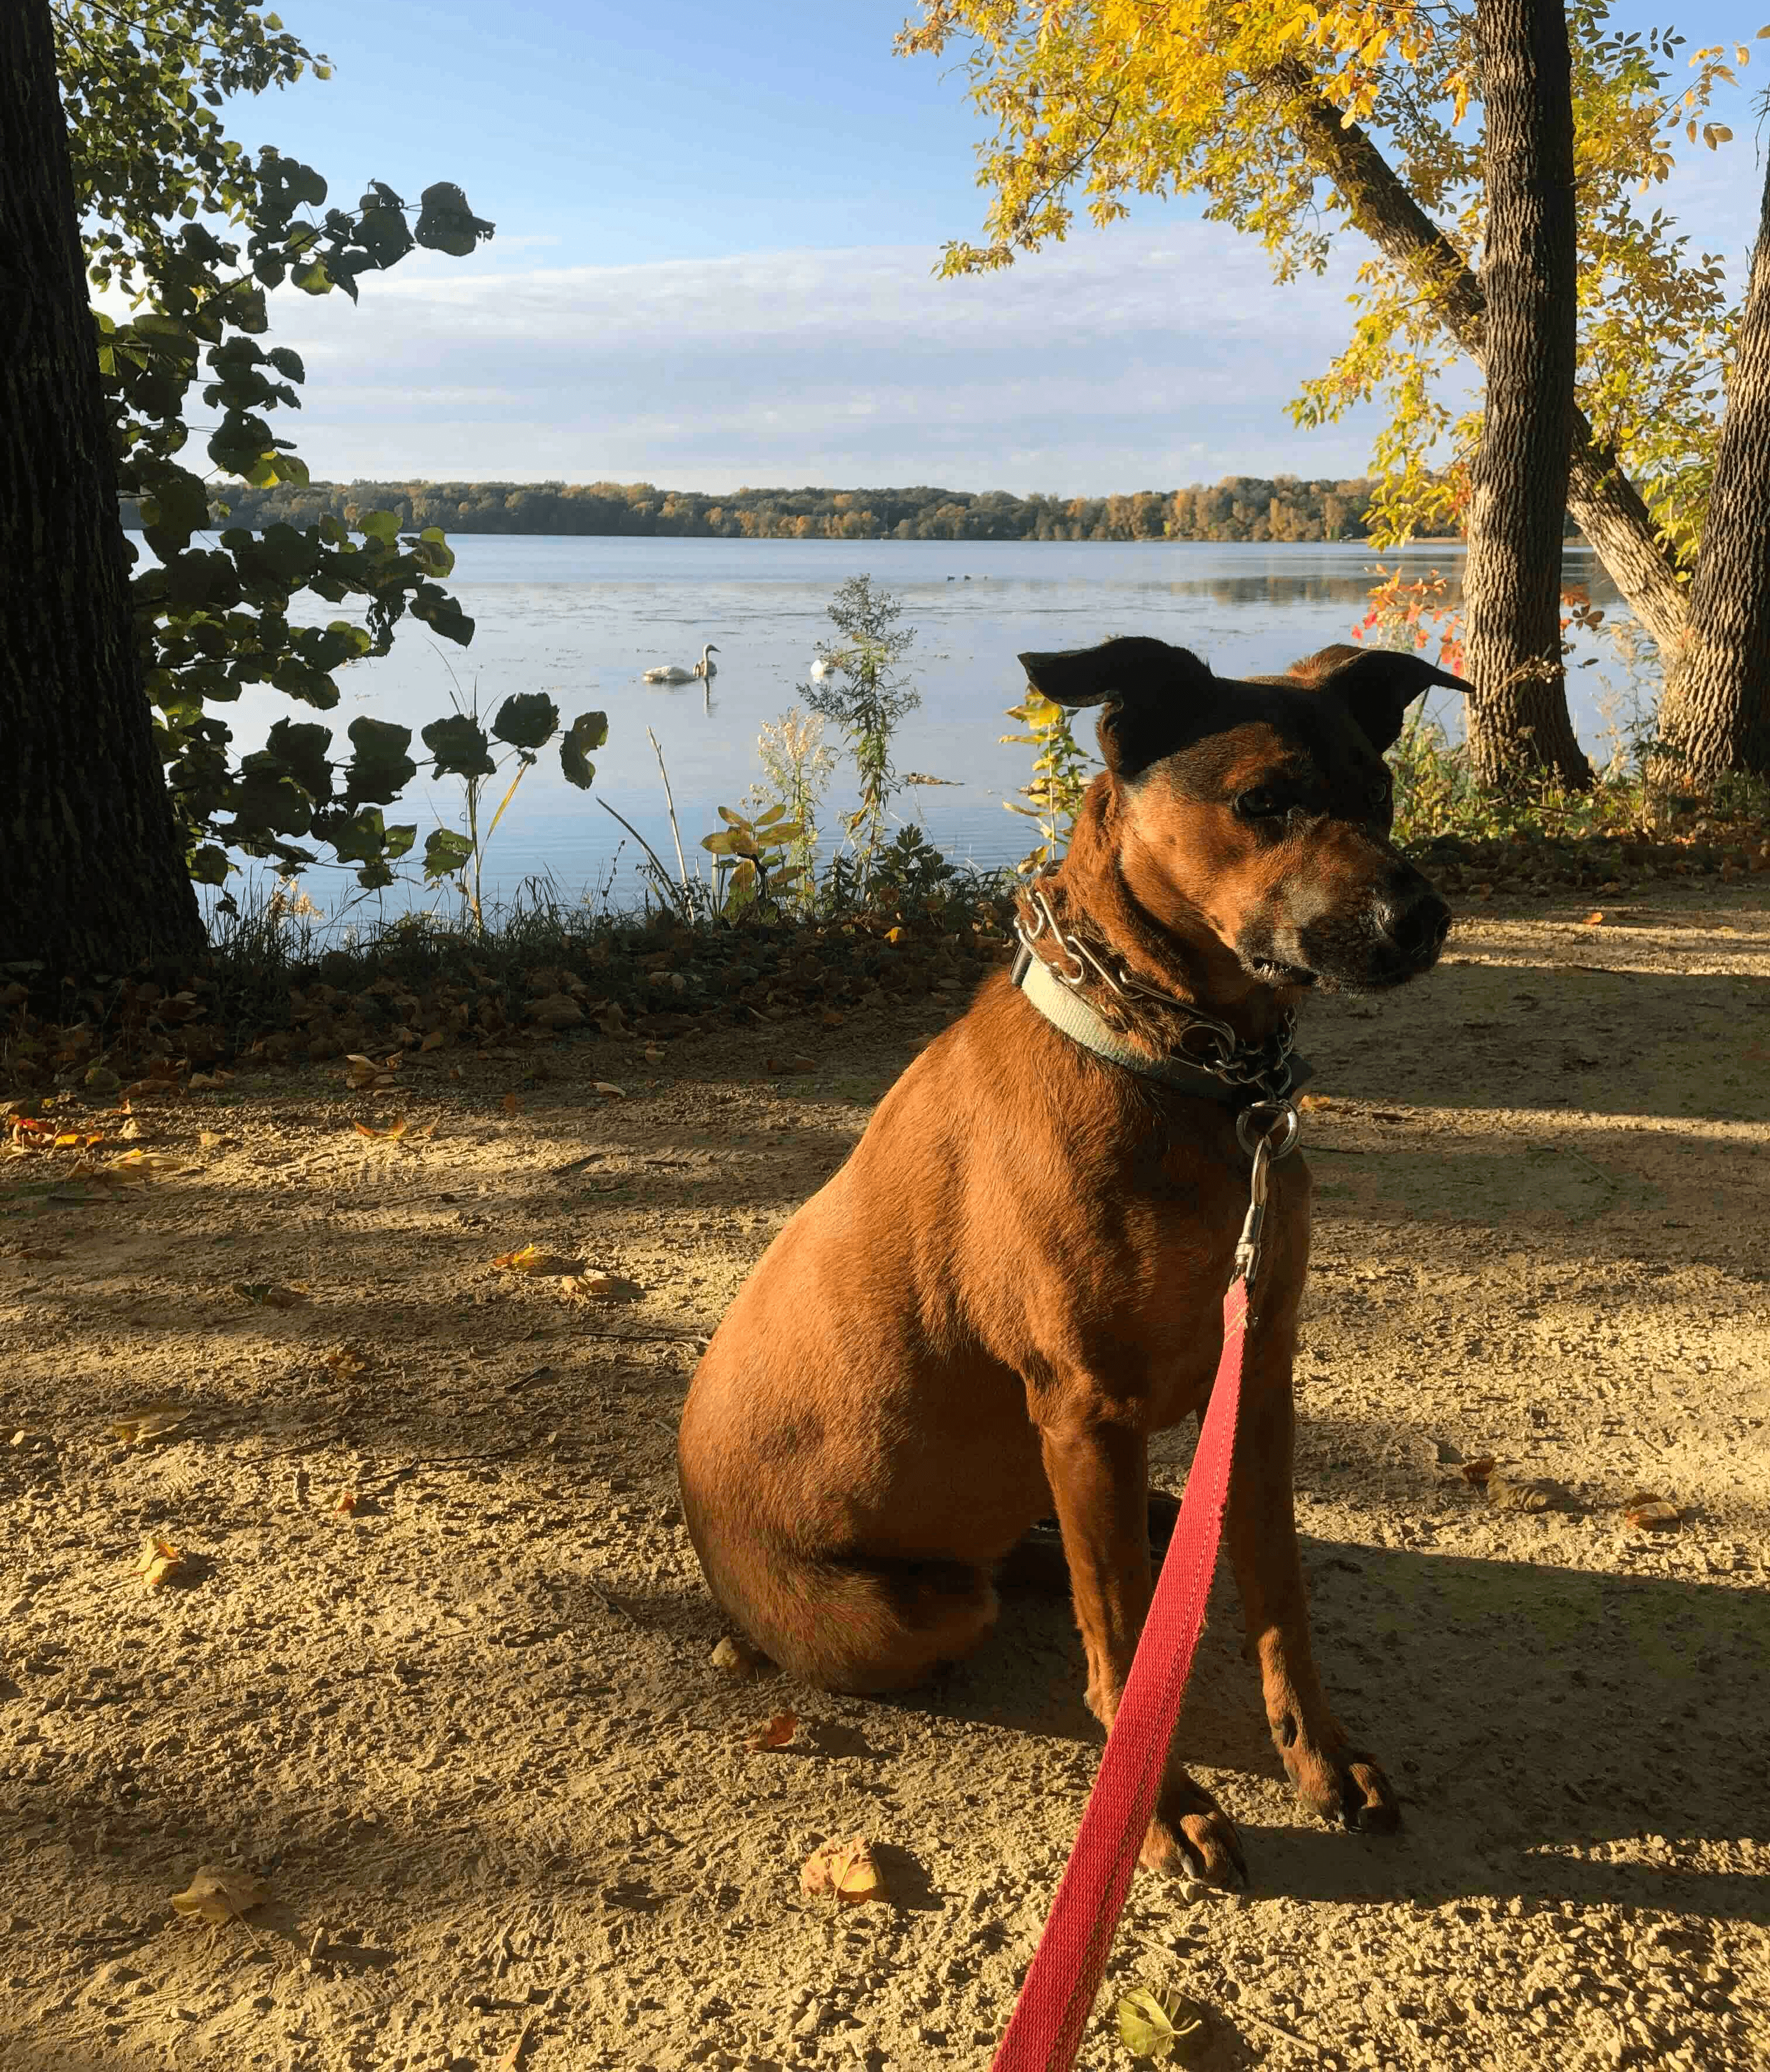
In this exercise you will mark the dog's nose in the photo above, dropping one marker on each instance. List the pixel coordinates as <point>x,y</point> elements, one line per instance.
<point>1416,926</point>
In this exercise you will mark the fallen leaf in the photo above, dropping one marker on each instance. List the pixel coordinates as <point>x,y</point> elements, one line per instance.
<point>777,1733</point>
<point>845,1870</point>
<point>345,1360</point>
<point>361,1072</point>
<point>137,1428</point>
<point>736,1658</point>
<point>208,1139</point>
<point>511,1104</point>
<point>830,1019</point>
<point>345,1501</point>
<point>792,1064</point>
<point>556,1010</point>
<point>215,1895</point>
<point>397,1128</point>
<point>1507,1493</point>
<point>199,1081</point>
<point>137,1168</point>
<point>1156,2021</point>
<point>160,1561</point>
<point>1594,919</point>
<point>652,1055</point>
<point>514,2058</point>
<point>608,1088</point>
<point>268,1295</point>
<point>1645,1512</point>
<point>1477,1471</point>
<point>599,1288</point>
<point>530,1259</point>
<point>435,1040</point>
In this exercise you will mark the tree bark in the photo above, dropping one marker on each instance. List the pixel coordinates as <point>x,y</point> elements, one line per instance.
<point>1715,712</point>
<point>94,875</point>
<point>1605,504</point>
<point>1512,656</point>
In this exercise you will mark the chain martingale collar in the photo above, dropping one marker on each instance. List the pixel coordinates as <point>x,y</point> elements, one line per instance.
<point>1260,1072</point>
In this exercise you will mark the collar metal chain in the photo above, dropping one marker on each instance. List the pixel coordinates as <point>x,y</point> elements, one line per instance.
<point>1212,1046</point>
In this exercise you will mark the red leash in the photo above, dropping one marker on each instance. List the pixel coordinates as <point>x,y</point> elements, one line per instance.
<point>1057,1996</point>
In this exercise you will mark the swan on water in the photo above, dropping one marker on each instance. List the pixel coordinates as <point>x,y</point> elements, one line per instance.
<point>703,672</point>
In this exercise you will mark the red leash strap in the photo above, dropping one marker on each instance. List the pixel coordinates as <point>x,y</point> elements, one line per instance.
<point>1057,1996</point>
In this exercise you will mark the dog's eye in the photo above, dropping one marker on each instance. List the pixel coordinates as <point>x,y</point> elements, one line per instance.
<point>1261,803</point>
<point>1379,796</point>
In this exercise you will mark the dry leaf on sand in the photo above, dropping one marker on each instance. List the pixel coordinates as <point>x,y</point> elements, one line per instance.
<point>777,1733</point>
<point>1157,2022</point>
<point>160,1562</point>
<point>361,1072</point>
<point>736,1658</point>
<point>268,1295</point>
<point>215,1895</point>
<point>1594,919</point>
<point>1308,1104</point>
<point>395,1129</point>
<point>609,1090</point>
<point>515,2058</point>
<point>1477,1471</point>
<point>845,1871</point>
<point>345,1501</point>
<point>530,1259</point>
<point>599,1288</point>
<point>1522,1493</point>
<point>139,1427</point>
<point>345,1359</point>
<point>1645,1512</point>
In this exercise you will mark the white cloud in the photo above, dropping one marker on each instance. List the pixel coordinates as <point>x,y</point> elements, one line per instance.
<point>1123,359</point>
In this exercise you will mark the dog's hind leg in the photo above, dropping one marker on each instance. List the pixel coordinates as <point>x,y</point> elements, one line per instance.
<point>860,1624</point>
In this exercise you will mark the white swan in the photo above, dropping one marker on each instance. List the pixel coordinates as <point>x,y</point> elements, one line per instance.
<point>825,665</point>
<point>704,671</point>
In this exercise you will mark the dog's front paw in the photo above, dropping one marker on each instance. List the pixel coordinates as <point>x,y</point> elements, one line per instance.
<point>1344,1787</point>
<point>1192,1836</point>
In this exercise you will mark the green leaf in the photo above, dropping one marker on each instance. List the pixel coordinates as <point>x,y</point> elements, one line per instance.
<point>445,853</point>
<point>526,719</point>
<point>446,224</point>
<point>588,730</point>
<point>459,745</point>
<point>301,746</point>
<point>381,769</point>
<point>378,524</point>
<point>1157,2021</point>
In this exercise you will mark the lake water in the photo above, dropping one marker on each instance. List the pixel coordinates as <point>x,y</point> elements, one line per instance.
<point>582,619</point>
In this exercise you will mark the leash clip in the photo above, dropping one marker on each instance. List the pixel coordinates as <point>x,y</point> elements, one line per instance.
<point>1267,1130</point>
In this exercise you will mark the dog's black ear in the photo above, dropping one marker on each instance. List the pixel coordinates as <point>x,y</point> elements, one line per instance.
<point>1126,670</point>
<point>1375,685</point>
<point>1154,695</point>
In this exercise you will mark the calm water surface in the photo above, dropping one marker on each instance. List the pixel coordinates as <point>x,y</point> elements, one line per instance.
<point>582,619</point>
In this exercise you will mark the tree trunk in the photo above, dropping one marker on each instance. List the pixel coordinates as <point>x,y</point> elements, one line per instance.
<point>1605,504</point>
<point>1517,699</point>
<point>1714,714</point>
<point>93,873</point>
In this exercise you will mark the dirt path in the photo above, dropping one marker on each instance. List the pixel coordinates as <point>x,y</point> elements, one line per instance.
<point>469,1733</point>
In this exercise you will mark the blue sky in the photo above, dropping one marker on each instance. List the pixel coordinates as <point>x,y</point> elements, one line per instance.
<point>715,229</point>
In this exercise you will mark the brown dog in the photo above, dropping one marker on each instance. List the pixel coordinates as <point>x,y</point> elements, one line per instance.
<point>1018,1276</point>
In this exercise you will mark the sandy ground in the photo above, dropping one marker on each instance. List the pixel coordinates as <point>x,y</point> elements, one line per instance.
<point>469,1733</point>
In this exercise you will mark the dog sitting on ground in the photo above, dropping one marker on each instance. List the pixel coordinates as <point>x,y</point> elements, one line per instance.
<point>1018,1276</point>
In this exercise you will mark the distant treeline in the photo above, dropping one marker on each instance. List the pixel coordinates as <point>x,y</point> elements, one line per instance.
<point>1241,506</point>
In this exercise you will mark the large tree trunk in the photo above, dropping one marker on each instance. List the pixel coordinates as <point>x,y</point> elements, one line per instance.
<point>1714,714</point>
<point>1518,699</point>
<point>93,875</point>
<point>1605,504</point>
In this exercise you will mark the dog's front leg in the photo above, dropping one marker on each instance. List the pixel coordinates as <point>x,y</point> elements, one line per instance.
<point>1099,1477</point>
<point>1332,1779</point>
